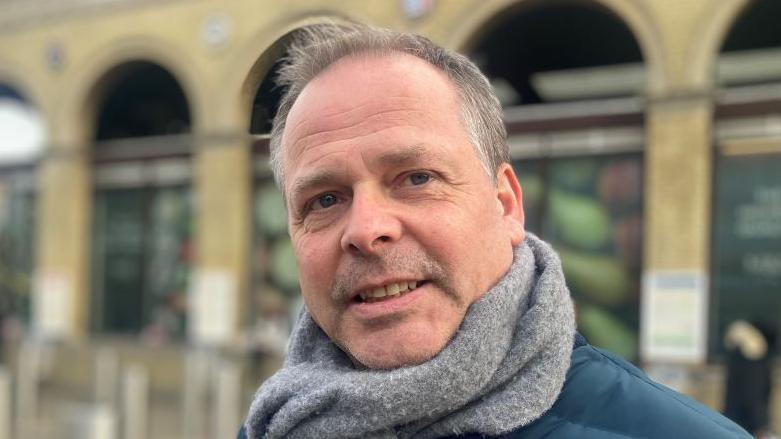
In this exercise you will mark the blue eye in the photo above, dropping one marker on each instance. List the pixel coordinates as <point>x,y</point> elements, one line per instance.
<point>325,201</point>
<point>419,178</point>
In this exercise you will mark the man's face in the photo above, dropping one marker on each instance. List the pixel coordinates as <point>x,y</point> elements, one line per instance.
<point>396,226</point>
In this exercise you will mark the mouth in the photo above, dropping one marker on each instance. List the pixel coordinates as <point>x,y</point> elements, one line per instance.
<point>388,291</point>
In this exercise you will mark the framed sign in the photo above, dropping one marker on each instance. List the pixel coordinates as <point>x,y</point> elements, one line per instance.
<point>674,317</point>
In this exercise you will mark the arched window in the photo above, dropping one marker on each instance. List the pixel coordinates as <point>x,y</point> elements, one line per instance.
<point>569,75</point>
<point>746,254</point>
<point>142,223</point>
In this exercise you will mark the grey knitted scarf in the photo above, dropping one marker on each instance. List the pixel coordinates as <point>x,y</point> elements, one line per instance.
<point>504,368</point>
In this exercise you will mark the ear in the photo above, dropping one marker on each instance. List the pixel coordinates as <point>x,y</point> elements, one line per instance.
<point>510,199</point>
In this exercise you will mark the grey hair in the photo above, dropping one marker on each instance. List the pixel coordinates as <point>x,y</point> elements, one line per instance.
<point>314,48</point>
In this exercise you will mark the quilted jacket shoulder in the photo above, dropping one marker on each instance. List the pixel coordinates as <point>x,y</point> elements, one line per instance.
<point>607,397</point>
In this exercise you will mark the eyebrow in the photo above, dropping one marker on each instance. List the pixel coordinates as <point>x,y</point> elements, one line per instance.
<point>396,157</point>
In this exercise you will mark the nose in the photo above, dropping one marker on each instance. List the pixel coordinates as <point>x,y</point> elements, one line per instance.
<point>372,224</point>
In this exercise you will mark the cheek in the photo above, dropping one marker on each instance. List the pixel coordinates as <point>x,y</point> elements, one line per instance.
<point>459,234</point>
<point>318,258</point>
<point>315,279</point>
<point>470,244</point>
<point>313,264</point>
<point>311,249</point>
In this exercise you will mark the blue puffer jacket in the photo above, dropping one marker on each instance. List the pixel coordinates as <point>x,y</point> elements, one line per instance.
<point>607,397</point>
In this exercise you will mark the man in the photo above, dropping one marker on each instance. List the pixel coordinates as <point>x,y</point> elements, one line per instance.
<point>429,311</point>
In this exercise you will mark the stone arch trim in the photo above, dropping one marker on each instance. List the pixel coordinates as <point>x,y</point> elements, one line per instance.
<point>14,78</point>
<point>76,116</point>
<point>256,58</point>
<point>634,15</point>
<point>705,47</point>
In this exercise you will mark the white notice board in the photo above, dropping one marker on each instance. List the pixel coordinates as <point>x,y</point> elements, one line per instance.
<point>673,324</point>
<point>212,307</point>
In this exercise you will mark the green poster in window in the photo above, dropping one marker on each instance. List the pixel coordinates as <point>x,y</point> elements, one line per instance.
<point>590,210</point>
<point>746,241</point>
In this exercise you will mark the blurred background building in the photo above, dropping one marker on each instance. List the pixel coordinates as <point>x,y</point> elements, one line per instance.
<point>147,282</point>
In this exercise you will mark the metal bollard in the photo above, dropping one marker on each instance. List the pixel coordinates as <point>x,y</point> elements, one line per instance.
<point>87,421</point>
<point>106,377</point>
<point>5,403</point>
<point>135,403</point>
<point>227,398</point>
<point>28,380</point>
<point>194,393</point>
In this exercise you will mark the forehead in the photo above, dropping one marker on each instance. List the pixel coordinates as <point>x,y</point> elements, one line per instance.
<point>364,94</point>
<point>363,78</point>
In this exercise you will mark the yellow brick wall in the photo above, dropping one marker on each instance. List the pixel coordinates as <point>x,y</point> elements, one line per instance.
<point>679,41</point>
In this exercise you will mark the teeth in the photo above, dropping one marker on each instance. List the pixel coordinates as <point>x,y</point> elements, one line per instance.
<point>393,289</point>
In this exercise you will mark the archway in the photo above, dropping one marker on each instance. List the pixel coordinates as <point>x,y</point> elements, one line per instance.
<point>751,50</point>
<point>142,99</point>
<point>142,214</point>
<point>560,52</point>
<point>569,75</point>
<point>746,259</point>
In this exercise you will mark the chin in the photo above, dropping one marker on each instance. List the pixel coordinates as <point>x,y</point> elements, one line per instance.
<point>395,362</point>
<point>392,355</point>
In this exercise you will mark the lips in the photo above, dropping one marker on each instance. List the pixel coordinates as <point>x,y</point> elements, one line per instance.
<point>372,310</point>
<point>388,291</point>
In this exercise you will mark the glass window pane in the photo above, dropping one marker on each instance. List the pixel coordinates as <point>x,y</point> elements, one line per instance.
<point>118,259</point>
<point>746,242</point>
<point>170,256</point>
<point>275,292</point>
<point>17,223</point>
<point>142,258</point>
<point>590,210</point>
